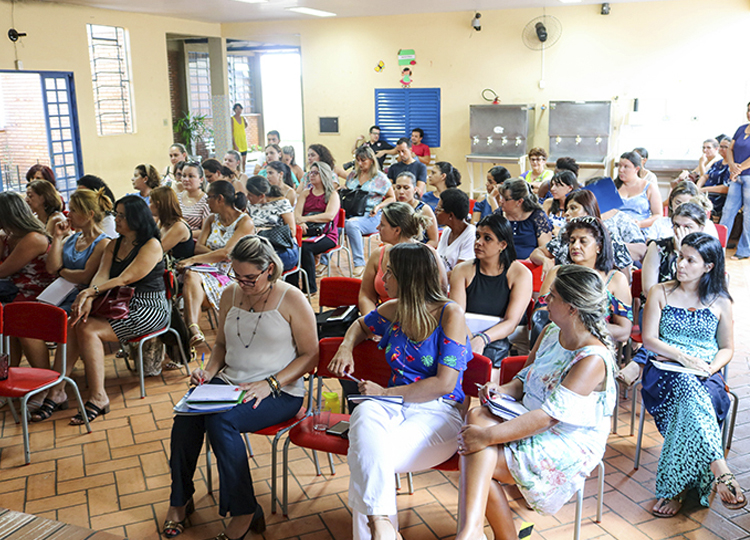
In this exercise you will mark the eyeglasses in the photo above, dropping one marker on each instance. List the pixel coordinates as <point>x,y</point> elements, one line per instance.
<point>313,172</point>
<point>118,215</point>
<point>245,280</point>
<point>536,159</point>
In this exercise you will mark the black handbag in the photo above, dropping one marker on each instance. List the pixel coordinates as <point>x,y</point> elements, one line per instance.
<point>279,236</point>
<point>337,327</point>
<point>354,201</point>
<point>317,229</point>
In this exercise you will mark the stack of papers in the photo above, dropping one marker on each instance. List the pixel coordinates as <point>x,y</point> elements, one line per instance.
<point>505,408</point>
<point>209,398</point>
<point>479,323</point>
<point>359,398</point>
<point>205,268</point>
<point>57,291</point>
<point>678,368</point>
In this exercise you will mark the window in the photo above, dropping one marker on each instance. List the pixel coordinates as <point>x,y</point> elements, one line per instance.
<point>109,52</point>
<point>399,110</point>
<point>241,89</point>
<point>199,74</point>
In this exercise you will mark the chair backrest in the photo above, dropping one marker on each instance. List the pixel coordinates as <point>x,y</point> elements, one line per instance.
<point>341,219</point>
<point>478,371</point>
<point>169,284</point>
<point>536,274</point>
<point>299,236</point>
<point>636,285</point>
<point>35,320</point>
<point>721,230</point>
<point>369,361</point>
<point>472,202</point>
<point>339,291</point>
<point>510,367</point>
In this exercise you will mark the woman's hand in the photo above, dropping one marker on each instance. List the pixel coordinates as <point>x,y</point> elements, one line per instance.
<point>490,388</point>
<point>198,377</point>
<point>61,228</point>
<point>342,363</point>
<point>258,391</point>
<point>81,307</point>
<point>472,439</point>
<point>679,234</point>
<point>477,344</point>
<point>303,226</point>
<point>735,169</point>
<point>369,388</point>
<point>689,362</point>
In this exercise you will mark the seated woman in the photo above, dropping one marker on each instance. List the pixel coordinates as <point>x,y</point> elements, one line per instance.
<point>492,199</point>
<point>538,173</point>
<point>578,204</point>
<point>273,153</point>
<point>443,176</point>
<point>269,209</point>
<point>194,202</point>
<point>225,226</point>
<point>177,153</point>
<point>366,177</point>
<point>24,244</point>
<point>233,161</point>
<point>280,175</point>
<point>134,259</point>
<point>561,184</point>
<point>494,284</point>
<point>46,203</point>
<point>689,321</point>
<point>683,192</point>
<point>75,258</point>
<point>399,224</point>
<point>215,170</point>
<point>424,335</point>
<point>531,226</point>
<point>176,235</point>
<point>316,212</point>
<point>715,182</point>
<point>41,172</point>
<point>569,388</point>
<point>94,183</point>
<point>456,243</point>
<point>641,199</point>
<point>145,178</point>
<point>267,360</point>
<point>406,192</point>
<point>589,245</point>
<point>287,156</point>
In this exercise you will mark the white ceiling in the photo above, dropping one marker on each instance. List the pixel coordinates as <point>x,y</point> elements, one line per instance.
<point>225,11</point>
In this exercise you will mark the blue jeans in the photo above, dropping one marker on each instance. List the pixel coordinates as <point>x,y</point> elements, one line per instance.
<point>737,197</point>
<point>236,494</point>
<point>355,228</point>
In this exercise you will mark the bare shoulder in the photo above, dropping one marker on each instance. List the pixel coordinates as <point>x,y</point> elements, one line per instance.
<point>294,302</point>
<point>518,270</point>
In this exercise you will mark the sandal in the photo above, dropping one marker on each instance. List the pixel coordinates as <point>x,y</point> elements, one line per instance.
<point>729,480</point>
<point>174,528</point>
<point>92,413</point>
<point>629,375</point>
<point>47,408</point>
<point>198,337</point>
<point>678,499</point>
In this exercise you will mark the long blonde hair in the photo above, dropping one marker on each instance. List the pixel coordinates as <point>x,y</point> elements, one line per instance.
<point>415,269</point>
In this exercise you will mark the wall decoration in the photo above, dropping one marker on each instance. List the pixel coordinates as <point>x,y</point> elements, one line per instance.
<point>406,57</point>
<point>405,77</point>
<point>380,66</point>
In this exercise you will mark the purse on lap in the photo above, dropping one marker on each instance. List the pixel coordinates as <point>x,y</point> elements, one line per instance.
<point>113,304</point>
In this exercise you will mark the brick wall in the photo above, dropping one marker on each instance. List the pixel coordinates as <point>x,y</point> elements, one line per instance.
<point>23,138</point>
<point>176,83</point>
<point>253,129</point>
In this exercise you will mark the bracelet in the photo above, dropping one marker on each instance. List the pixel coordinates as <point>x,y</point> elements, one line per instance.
<point>275,386</point>
<point>96,290</point>
<point>485,337</point>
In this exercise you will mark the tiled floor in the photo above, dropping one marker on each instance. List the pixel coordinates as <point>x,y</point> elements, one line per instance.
<point>117,478</point>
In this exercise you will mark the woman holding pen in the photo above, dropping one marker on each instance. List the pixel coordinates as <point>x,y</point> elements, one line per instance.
<point>266,341</point>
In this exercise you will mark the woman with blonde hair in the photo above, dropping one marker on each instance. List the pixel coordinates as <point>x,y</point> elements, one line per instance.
<point>76,259</point>
<point>176,235</point>
<point>46,203</point>
<point>425,342</point>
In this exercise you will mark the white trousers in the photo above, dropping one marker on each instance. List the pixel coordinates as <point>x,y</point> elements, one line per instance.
<point>386,439</point>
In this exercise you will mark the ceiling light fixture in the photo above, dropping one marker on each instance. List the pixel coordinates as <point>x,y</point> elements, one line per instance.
<point>310,11</point>
<point>252,1</point>
<point>570,1</point>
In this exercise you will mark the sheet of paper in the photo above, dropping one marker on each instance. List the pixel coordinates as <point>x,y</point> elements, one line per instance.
<point>678,368</point>
<point>56,291</point>
<point>215,393</point>
<point>359,398</point>
<point>479,323</point>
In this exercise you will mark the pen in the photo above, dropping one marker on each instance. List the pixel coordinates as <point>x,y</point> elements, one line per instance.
<point>203,365</point>
<point>506,397</point>
<point>352,377</point>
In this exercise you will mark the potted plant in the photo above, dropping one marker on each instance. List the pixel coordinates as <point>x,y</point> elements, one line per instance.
<point>190,128</point>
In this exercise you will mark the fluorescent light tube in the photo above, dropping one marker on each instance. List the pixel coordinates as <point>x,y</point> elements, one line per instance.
<point>310,11</point>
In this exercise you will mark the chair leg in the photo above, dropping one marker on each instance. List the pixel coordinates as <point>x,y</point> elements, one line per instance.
<point>13,412</point>
<point>615,413</point>
<point>600,500</point>
<point>208,466</point>
<point>25,424</point>
<point>634,407</point>
<point>285,489</point>
<point>640,436</point>
<point>398,482</point>
<point>579,511</point>
<point>140,369</point>
<point>410,483</point>
<point>318,472</point>
<point>80,403</point>
<point>247,444</point>
<point>184,357</point>
<point>330,464</point>
<point>727,431</point>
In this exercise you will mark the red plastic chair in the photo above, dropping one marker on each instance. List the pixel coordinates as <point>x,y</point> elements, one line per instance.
<point>339,291</point>
<point>536,274</point>
<point>340,245</point>
<point>721,230</point>
<point>34,320</point>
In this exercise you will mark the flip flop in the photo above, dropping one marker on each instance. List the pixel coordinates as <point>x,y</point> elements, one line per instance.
<point>47,408</point>
<point>665,501</point>
<point>728,480</point>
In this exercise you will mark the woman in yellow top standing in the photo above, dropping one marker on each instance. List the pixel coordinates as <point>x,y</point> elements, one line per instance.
<point>239,137</point>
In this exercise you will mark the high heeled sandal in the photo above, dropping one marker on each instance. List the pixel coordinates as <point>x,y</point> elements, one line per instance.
<point>47,409</point>
<point>178,526</point>
<point>728,480</point>
<point>92,413</point>
<point>198,337</point>
<point>257,525</point>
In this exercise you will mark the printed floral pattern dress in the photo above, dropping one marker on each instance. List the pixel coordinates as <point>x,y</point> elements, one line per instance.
<point>551,466</point>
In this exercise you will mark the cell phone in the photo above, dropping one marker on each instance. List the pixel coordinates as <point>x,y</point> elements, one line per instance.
<point>340,313</point>
<point>340,429</point>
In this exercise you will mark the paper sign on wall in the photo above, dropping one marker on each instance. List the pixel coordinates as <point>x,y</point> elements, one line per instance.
<point>406,57</point>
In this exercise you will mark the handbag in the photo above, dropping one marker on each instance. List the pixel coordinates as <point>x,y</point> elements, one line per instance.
<point>279,236</point>
<point>114,304</point>
<point>317,229</point>
<point>337,327</point>
<point>354,201</point>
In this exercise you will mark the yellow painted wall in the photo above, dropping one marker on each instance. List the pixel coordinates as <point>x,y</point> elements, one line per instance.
<point>57,41</point>
<point>677,54</point>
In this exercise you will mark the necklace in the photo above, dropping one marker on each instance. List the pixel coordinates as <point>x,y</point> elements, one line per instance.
<point>252,310</point>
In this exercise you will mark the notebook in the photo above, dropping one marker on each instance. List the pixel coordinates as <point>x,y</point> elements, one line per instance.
<point>57,291</point>
<point>678,368</point>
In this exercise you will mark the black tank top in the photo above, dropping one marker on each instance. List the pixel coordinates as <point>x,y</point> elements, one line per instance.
<point>186,249</point>
<point>151,282</point>
<point>488,295</point>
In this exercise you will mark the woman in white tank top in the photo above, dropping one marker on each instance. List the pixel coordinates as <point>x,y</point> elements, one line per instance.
<point>265,342</point>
